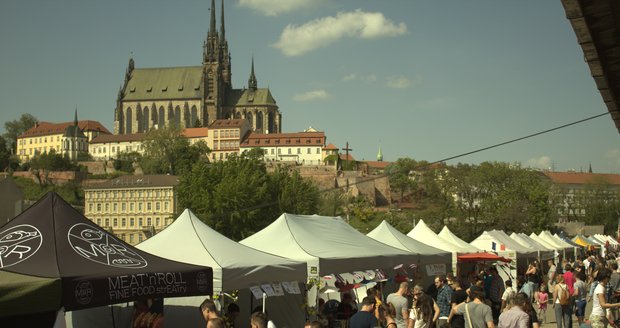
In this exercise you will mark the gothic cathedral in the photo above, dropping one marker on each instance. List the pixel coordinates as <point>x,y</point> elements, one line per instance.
<point>193,96</point>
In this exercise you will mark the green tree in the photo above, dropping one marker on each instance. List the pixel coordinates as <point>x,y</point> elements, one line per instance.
<point>600,204</point>
<point>42,164</point>
<point>399,174</point>
<point>124,161</point>
<point>16,127</point>
<point>332,203</point>
<point>166,151</point>
<point>232,197</point>
<point>294,193</point>
<point>5,155</point>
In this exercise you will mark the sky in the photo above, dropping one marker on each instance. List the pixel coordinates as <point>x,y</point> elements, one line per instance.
<point>427,80</point>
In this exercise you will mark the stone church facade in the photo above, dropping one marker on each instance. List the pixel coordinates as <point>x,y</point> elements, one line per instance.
<point>193,96</point>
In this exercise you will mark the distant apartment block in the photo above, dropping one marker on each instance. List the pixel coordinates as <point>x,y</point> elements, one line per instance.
<point>225,137</point>
<point>133,207</point>
<point>303,148</point>
<point>109,146</point>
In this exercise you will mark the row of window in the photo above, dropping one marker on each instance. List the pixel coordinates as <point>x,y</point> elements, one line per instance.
<point>123,194</point>
<point>115,149</point>
<point>290,152</point>
<point>40,140</point>
<point>123,207</point>
<point>226,133</point>
<point>132,223</point>
<point>287,141</point>
<point>131,237</point>
<point>226,144</point>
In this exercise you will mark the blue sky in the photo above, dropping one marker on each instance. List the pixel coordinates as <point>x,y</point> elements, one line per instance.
<point>421,79</point>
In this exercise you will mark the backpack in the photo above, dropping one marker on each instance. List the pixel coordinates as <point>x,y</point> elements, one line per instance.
<point>564,297</point>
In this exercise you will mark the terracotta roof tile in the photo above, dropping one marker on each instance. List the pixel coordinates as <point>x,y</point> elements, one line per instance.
<point>138,181</point>
<point>330,147</point>
<point>582,178</point>
<point>224,124</point>
<point>377,164</point>
<point>46,128</point>
<point>195,132</point>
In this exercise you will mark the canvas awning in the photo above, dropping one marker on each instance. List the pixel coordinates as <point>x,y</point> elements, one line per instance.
<point>235,266</point>
<point>327,244</point>
<point>52,240</point>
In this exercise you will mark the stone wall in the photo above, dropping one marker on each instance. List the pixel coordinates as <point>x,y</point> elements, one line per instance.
<point>53,177</point>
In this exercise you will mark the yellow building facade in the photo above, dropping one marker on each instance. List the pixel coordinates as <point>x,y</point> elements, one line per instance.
<point>45,137</point>
<point>133,207</point>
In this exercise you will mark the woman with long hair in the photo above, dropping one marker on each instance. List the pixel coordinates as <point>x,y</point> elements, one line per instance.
<point>421,314</point>
<point>387,312</point>
<point>599,302</point>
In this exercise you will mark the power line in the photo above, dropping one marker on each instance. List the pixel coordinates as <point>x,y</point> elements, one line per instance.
<point>521,138</point>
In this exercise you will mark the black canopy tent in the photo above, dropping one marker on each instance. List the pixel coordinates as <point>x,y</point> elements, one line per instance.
<point>53,241</point>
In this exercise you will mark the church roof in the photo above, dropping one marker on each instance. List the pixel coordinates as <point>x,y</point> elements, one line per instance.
<point>138,181</point>
<point>73,131</point>
<point>582,178</point>
<point>164,83</point>
<point>227,124</point>
<point>247,97</point>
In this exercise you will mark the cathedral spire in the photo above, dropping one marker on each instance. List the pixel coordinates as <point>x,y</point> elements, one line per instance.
<point>222,30</point>
<point>252,85</point>
<point>212,26</point>
<point>380,155</point>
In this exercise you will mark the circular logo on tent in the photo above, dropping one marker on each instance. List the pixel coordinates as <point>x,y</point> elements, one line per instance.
<point>202,281</point>
<point>83,292</point>
<point>19,243</point>
<point>100,246</point>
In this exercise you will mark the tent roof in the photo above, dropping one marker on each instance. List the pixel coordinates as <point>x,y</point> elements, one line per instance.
<point>328,243</point>
<point>388,235</point>
<point>422,233</point>
<point>545,242</point>
<point>23,294</point>
<point>611,240</point>
<point>547,236</point>
<point>566,240</point>
<point>487,238</point>
<point>235,266</point>
<point>450,237</point>
<point>528,242</point>
<point>53,240</point>
<point>538,244</point>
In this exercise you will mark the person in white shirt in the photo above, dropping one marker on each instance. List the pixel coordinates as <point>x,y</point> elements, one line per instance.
<point>509,293</point>
<point>599,303</point>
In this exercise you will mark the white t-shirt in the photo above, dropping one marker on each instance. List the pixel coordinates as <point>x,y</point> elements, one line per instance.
<point>596,305</point>
<point>419,323</point>
<point>509,292</point>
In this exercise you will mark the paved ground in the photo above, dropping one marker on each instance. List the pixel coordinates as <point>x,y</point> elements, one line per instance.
<point>550,317</point>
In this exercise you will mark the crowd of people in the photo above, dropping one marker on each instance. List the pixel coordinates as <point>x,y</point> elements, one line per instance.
<point>482,300</point>
<point>485,300</point>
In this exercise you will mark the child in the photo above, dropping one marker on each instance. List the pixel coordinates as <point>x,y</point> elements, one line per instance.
<point>542,298</point>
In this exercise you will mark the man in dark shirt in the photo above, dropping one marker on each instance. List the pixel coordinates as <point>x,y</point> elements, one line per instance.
<point>458,296</point>
<point>365,318</point>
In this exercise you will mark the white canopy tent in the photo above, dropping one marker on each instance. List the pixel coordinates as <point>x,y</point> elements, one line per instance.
<point>608,238</point>
<point>327,244</point>
<point>422,233</point>
<point>499,242</point>
<point>450,237</point>
<point>235,267</point>
<point>430,257</point>
<point>560,246</point>
<point>543,252</point>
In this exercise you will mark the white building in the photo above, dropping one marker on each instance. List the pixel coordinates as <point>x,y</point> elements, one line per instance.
<point>303,148</point>
<point>109,146</point>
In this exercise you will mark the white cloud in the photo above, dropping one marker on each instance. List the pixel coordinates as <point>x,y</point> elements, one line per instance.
<point>365,78</point>
<point>398,82</point>
<point>275,7</point>
<point>297,40</point>
<point>312,95</point>
<point>543,162</point>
